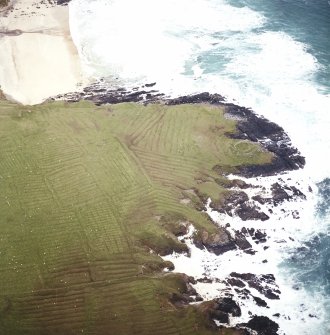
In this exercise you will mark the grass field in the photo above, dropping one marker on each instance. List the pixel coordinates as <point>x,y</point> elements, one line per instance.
<point>86,193</point>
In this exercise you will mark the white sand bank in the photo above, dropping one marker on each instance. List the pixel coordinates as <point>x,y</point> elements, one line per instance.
<point>39,60</point>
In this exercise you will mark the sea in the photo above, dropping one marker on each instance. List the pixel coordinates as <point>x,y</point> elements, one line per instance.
<point>269,55</point>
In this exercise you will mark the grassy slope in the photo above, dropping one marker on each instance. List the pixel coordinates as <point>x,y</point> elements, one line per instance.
<point>85,191</point>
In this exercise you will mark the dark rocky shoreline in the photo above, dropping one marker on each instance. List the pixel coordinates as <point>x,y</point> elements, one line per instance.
<point>251,127</point>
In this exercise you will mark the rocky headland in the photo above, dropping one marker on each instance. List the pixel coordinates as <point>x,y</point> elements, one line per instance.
<point>235,197</point>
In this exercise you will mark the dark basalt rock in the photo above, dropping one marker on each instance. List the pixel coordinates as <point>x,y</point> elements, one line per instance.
<point>100,93</point>
<point>250,251</point>
<point>62,2</point>
<point>197,98</point>
<point>250,212</point>
<point>180,299</point>
<point>237,203</point>
<point>229,306</point>
<point>219,316</point>
<point>272,138</point>
<point>187,293</point>
<point>280,194</point>
<point>239,183</point>
<point>297,193</point>
<point>235,282</point>
<point>243,293</point>
<point>218,243</point>
<point>264,284</point>
<point>244,276</point>
<point>260,302</point>
<point>242,242</point>
<point>262,200</point>
<point>220,309</point>
<point>257,235</point>
<point>204,280</point>
<point>263,325</point>
<point>150,85</point>
<point>234,198</point>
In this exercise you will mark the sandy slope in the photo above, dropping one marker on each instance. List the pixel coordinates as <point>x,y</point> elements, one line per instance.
<point>39,60</point>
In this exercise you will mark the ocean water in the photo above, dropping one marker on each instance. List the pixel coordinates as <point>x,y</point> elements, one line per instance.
<point>270,55</point>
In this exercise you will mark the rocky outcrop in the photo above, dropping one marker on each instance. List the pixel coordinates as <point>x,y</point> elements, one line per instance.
<point>257,235</point>
<point>256,129</point>
<point>264,284</point>
<point>237,203</point>
<point>241,241</point>
<point>228,305</point>
<point>186,294</point>
<point>249,125</point>
<point>218,242</point>
<point>263,325</point>
<point>235,282</point>
<point>221,309</point>
<point>101,93</point>
<point>271,137</point>
<point>279,194</point>
<point>197,98</point>
<point>62,2</point>
<point>260,302</point>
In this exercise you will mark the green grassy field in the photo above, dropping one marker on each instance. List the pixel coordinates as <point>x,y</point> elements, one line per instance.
<point>86,193</point>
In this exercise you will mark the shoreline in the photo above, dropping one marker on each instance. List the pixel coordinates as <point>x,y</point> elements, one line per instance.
<point>249,305</point>
<point>59,35</point>
<point>37,55</point>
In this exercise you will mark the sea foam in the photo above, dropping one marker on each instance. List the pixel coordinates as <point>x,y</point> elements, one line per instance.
<point>208,45</point>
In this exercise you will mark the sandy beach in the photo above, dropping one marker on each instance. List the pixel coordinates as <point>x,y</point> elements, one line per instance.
<point>38,58</point>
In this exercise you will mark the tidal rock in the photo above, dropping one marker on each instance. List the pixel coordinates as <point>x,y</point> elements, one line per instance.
<point>263,325</point>
<point>260,302</point>
<point>101,93</point>
<point>250,212</point>
<point>257,235</point>
<point>271,136</point>
<point>235,282</point>
<point>150,85</point>
<point>280,194</point>
<point>197,98</point>
<point>241,241</point>
<point>186,294</point>
<point>237,203</point>
<point>220,316</point>
<point>62,2</point>
<point>229,306</point>
<point>218,243</point>
<point>239,184</point>
<point>264,284</point>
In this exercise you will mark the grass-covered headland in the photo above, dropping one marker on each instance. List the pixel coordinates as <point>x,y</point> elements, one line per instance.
<point>90,197</point>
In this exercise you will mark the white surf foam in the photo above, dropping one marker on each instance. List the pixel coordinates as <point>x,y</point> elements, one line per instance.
<point>150,39</point>
<point>296,306</point>
<point>171,42</point>
<point>168,41</point>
